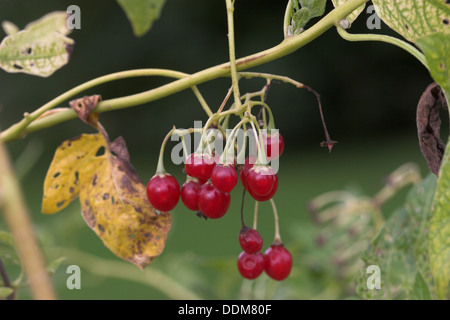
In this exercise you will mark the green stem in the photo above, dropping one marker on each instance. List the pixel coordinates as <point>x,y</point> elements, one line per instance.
<point>383,38</point>
<point>269,76</point>
<point>287,46</point>
<point>262,158</point>
<point>15,131</point>
<point>277,237</point>
<point>232,53</point>
<point>160,168</point>
<point>230,142</point>
<point>255,216</point>
<point>287,18</point>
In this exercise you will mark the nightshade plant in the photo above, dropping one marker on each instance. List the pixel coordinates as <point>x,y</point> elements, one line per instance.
<point>98,171</point>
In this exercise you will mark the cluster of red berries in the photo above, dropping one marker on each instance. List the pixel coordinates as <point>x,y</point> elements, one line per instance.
<point>276,261</point>
<point>207,189</point>
<point>209,183</point>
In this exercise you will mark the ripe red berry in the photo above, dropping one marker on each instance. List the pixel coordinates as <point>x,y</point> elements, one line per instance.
<point>189,194</point>
<point>278,261</point>
<point>248,164</point>
<point>250,265</point>
<point>199,165</point>
<point>224,177</point>
<point>250,240</point>
<point>260,180</point>
<point>163,192</point>
<point>267,196</point>
<point>212,202</point>
<point>273,144</point>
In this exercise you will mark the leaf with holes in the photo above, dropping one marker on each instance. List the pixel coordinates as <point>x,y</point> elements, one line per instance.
<point>142,13</point>
<point>113,198</point>
<point>40,49</point>
<point>436,48</point>
<point>352,16</point>
<point>62,183</point>
<point>414,19</point>
<point>440,230</point>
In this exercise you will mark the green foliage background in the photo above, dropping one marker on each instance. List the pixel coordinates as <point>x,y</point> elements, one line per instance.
<point>369,91</point>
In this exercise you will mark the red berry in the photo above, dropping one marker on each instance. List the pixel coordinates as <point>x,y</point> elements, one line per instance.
<point>250,265</point>
<point>248,164</point>
<point>163,192</point>
<point>250,240</point>
<point>273,144</point>
<point>224,177</point>
<point>278,261</point>
<point>199,165</point>
<point>212,202</point>
<point>189,194</point>
<point>267,196</point>
<point>260,180</point>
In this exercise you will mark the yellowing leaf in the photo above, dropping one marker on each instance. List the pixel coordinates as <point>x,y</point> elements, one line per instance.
<point>62,183</point>
<point>113,198</point>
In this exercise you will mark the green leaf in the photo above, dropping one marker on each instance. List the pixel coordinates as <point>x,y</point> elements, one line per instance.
<point>439,236</point>
<point>352,16</point>
<point>316,7</point>
<point>420,289</point>
<point>401,247</point>
<point>9,28</point>
<point>40,49</point>
<point>142,13</point>
<point>300,19</point>
<point>436,48</point>
<point>414,19</point>
<point>5,292</point>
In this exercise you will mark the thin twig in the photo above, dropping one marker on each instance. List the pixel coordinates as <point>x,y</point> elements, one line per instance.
<point>6,282</point>
<point>18,220</point>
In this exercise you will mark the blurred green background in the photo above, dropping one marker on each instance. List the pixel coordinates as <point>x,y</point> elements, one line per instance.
<point>369,93</point>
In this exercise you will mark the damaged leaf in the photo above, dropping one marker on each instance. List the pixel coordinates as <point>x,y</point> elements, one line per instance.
<point>429,125</point>
<point>113,198</point>
<point>40,49</point>
<point>84,107</point>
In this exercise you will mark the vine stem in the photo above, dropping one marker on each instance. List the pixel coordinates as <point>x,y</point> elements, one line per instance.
<point>17,218</point>
<point>287,46</point>
<point>232,53</point>
<point>16,130</point>
<point>384,38</point>
<point>287,18</point>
